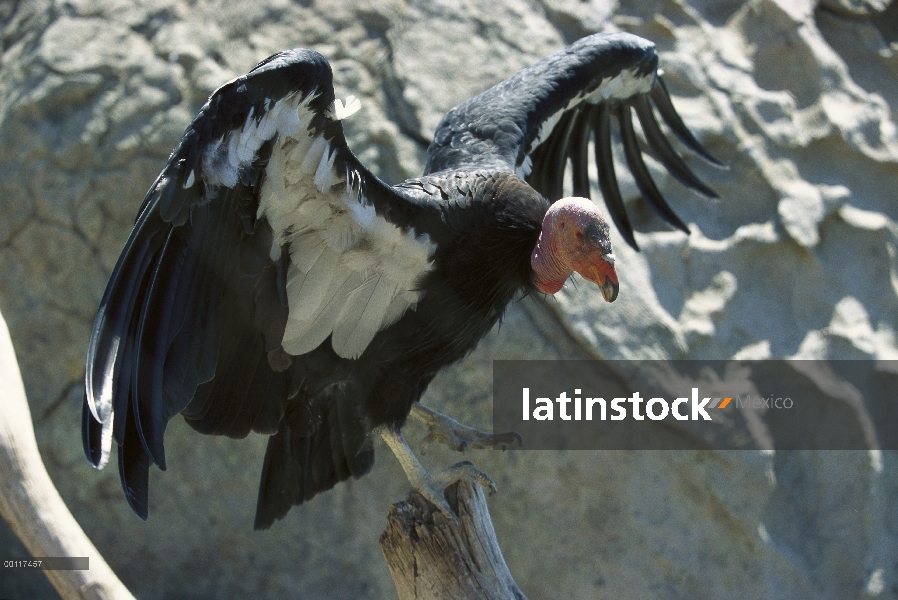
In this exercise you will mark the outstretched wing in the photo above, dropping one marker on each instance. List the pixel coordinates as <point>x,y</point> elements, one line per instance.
<point>538,120</point>
<point>262,237</point>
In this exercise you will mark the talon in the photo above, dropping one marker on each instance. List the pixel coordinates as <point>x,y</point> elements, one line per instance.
<point>432,487</point>
<point>508,437</point>
<point>464,470</point>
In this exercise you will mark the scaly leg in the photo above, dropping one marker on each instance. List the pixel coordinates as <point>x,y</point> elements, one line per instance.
<point>458,436</point>
<point>432,486</point>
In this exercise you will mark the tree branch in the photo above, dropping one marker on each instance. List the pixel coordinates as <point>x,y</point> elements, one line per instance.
<point>430,556</point>
<point>29,500</point>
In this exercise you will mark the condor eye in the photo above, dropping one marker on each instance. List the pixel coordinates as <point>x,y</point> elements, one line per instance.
<point>580,235</point>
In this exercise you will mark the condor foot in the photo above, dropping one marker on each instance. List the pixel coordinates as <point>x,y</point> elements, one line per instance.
<point>457,436</point>
<point>432,487</point>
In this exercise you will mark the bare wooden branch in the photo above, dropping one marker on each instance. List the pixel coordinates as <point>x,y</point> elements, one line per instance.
<point>29,500</point>
<point>433,557</point>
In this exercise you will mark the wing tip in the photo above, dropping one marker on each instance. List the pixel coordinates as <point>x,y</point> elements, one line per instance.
<point>660,98</point>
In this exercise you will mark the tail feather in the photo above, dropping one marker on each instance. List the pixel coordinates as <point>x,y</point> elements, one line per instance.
<point>299,467</point>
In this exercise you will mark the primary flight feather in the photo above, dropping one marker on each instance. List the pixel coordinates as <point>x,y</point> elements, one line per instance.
<point>273,284</point>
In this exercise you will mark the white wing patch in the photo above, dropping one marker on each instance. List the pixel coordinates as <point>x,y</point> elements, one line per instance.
<point>625,84</point>
<point>223,159</point>
<point>351,272</point>
<point>342,111</point>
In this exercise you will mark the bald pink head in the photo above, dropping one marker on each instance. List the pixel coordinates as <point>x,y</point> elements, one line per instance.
<point>574,238</point>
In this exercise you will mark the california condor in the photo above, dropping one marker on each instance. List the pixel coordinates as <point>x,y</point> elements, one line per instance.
<point>273,284</point>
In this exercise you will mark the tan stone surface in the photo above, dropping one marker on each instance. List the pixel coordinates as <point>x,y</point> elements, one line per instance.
<point>798,259</point>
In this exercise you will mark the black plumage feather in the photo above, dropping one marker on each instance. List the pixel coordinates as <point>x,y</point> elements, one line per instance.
<point>607,178</point>
<point>194,317</point>
<point>641,174</point>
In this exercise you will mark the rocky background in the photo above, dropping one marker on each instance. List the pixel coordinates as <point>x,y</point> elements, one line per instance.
<point>798,259</point>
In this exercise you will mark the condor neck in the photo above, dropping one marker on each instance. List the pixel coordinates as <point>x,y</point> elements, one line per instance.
<point>550,271</point>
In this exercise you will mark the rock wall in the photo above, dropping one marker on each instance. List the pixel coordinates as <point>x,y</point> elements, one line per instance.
<point>798,259</point>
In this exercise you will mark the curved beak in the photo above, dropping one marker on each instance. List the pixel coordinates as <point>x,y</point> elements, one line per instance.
<point>602,273</point>
<point>609,290</point>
